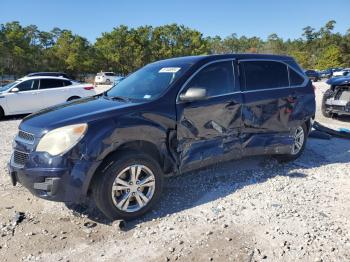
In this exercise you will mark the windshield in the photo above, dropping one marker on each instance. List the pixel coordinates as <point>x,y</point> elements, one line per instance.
<point>149,82</point>
<point>8,86</point>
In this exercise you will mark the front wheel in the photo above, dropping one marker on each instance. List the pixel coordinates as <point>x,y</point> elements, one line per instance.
<point>2,113</point>
<point>300,137</point>
<point>129,187</point>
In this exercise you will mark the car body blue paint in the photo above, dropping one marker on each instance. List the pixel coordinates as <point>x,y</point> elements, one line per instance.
<point>187,135</point>
<point>343,80</point>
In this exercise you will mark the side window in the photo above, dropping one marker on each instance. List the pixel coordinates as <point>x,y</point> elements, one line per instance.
<point>264,74</point>
<point>67,83</point>
<point>48,83</point>
<point>28,85</point>
<point>217,79</point>
<point>295,78</point>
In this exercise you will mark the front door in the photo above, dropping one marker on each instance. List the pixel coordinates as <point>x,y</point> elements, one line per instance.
<point>26,100</point>
<point>208,129</point>
<point>267,107</point>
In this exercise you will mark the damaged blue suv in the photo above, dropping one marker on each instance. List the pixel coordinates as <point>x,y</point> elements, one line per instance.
<point>167,118</point>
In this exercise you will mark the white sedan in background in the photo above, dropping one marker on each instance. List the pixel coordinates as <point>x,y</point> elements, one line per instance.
<point>105,78</point>
<point>29,94</point>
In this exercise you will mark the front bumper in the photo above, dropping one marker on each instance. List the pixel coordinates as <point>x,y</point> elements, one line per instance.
<point>340,107</point>
<point>43,183</point>
<point>62,180</point>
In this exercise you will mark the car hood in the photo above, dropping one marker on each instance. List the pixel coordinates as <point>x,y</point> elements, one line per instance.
<point>339,80</point>
<point>78,111</point>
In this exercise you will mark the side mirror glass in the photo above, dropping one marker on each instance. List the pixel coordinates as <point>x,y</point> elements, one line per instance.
<point>194,94</point>
<point>14,90</point>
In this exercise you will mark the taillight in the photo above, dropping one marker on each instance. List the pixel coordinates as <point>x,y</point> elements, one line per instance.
<point>88,87</point>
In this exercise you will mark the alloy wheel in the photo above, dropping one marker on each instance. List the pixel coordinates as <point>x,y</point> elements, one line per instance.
<point>133,188</point>
<point>299,137</point>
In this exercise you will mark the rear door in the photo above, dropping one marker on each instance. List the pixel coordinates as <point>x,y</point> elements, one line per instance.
<point>26,100</point>
<point>208,130</point>
<point>51,92</point>
<point>268,103</point>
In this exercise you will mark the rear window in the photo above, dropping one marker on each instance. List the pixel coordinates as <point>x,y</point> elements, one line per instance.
<point>50,83</point>
<point>295,78</point>
<point>109,74</point>
<point>264,74</point>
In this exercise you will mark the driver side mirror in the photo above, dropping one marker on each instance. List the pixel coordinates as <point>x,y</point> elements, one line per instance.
<point>14,90</point>
<point>194,94</point>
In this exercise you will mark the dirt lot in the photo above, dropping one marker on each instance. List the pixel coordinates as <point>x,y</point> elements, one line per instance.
<point>249,210</point>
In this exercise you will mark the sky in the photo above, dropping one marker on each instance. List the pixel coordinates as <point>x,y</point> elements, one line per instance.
<point>211,17</point>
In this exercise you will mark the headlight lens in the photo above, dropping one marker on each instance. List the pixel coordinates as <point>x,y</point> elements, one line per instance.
<point>62,139</point>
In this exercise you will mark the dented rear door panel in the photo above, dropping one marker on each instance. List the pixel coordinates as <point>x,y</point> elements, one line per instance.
<point>268,107</point>
<point>266,117</point>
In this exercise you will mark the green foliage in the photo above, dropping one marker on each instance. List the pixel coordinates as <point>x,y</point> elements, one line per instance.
<point>330,57</point>
<point>124,49</point>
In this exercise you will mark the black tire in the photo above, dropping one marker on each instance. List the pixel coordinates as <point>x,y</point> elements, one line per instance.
<point>329,93</point>
<point>291,156</point>
<point>108,81</point>
<point>2,113</point>
<point>73,98</point>
<point>102,185</point>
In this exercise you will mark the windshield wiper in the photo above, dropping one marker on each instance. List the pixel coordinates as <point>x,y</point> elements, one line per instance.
<point>119,98</point>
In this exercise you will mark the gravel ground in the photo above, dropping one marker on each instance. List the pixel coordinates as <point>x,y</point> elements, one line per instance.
<point>249,210</point>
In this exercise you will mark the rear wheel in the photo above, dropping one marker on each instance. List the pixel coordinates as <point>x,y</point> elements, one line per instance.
<point>108,81</point>
<point>73,98</point>
<point>129,187</point>
<point>329,93</point>
<point>300,137</point>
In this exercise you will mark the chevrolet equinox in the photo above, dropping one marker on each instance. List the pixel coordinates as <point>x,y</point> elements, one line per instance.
<point>167,118</point>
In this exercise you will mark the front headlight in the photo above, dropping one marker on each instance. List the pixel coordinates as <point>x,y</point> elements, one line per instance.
<point>62,139</point>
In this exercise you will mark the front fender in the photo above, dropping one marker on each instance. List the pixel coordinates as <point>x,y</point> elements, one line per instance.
<point>107,137</point>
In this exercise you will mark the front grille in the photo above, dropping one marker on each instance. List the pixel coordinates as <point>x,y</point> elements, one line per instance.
<point>20,158</point>
<point>340,108</point>
<point>26,137</point>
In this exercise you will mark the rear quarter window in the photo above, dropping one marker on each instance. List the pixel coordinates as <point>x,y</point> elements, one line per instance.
<point>258,75</point>
<point>67,83</point>
<point>295,78</point>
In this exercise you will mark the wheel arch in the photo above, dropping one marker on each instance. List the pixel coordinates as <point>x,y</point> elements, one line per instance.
<point>73,98</point>
<point>309,124</point>
<point>143,146</point>
<point>2,111</point>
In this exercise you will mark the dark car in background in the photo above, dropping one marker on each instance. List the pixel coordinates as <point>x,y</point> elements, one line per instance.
<point>336,100</point>
<point>326,73</point>
<point>167,118</point>
<point>313,75</point>
<point>57,74</point>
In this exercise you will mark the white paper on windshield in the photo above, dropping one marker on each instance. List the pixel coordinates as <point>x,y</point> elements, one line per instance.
<point>147,96</point>
<point>171,70</point>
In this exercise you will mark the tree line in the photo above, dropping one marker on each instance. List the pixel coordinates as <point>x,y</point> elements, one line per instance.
<point>25,49</point>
